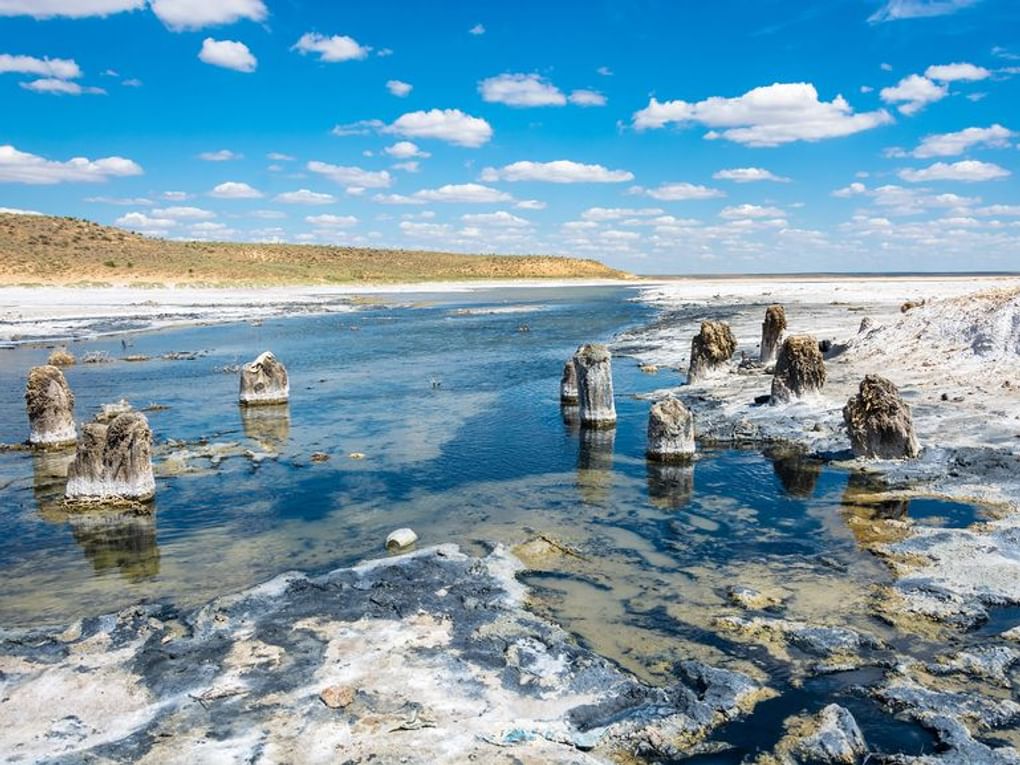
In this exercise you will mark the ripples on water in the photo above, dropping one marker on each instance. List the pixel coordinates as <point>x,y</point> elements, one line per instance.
<point>456,411</point>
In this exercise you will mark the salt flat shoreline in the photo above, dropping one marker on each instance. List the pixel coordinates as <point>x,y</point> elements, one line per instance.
<point>55,313</point>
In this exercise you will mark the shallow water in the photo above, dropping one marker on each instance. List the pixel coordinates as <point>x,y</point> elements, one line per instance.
<point>455,409</point>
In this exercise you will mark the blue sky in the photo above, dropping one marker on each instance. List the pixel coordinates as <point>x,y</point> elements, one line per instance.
<point>660,137</point>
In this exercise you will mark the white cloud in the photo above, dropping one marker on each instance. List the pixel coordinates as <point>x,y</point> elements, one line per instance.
<point>332,221</point>
<point>60,87</point>
<point>22,167</point>
<point>675,192</point>
<point>405,150</point>
<point>352,176</point>
<point>471,193</point>
<point>616,213</point>
<point>58,68</point>
<point>477,29</point>
<point>175,196</point>
<point>558,171</point>
<point>1000,210</point>
<point>605,71</point>
<point>521,90</point>
<point>235,190</point>
<point>913,93</point>
<point>501,218</point>
<point>531,204</point>
<point>854,189</point>
<point>276,156</point>
<point>223,155</point>
<point>184,213</point>
<point>141,222</point>
<point>411,166</point>
<point>305,197</point>
<point>18,211</point>
<point>894,10</point>
<point>362,127</point>
<point>953,144</point>
<point>968,170</point>
<point>195,14</point>
<point>399,88</point>
<point>954,72</point>
<point>765,116</point>
<point>737,212</point>
<point>450,125</point>
<point>586,98</point>
<point>332,49</point>
<point>748,175</point>
<point>45,9</point>
<point>269,214</point>
<point>129,201</point>
<point>228,54</point>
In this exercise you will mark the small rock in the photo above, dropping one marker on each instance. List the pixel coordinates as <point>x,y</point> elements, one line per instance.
<point>356,456</point>
<point>319,457</point>
<point>400,539</point>
<point>649,369</point>
<point>750,598</point>
<point>61,357</point>
<point>337,696</point>
<point>866,326</point>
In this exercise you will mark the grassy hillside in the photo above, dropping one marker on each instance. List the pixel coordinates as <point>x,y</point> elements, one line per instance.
<point>40,249</point>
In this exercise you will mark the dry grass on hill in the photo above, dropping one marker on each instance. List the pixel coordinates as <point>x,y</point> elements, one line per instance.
<point>41,249</point>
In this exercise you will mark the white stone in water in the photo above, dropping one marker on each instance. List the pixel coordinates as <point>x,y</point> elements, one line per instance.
<point>264,381</point>
<point>568,383</point>
<point>593,366</point>
<point>670,431</point>
<point>113,461</point>
<point>50,405</point>
<point>401,538</point>
<point>771,332</point>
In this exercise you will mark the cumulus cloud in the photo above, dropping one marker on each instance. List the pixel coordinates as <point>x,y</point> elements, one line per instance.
<point>56,68</point>
<point>616,213</point>
<point>954,144</point>
<point>470,193</point>
<point>76,9</point>
<point>184,213</point>
<point>954,72</point>
<point>399,88</point>
<point>748,175</point>
<point>913,93</point>
<point>352,176</point>
<point>223,155</point>
<point>305,197</point>
<point>894,10</point>
<point>405,150</point>
<point>277,156</point>
<point>137,221</point>
<point>531,204</point>
<point>675,192</point>
<point>331,49</point>
<point>129,201</point>
<point>195,14</point>
<point>332,221</point>
<point>737,212</point>
<point>558,171</point>
<point>586,98</point>
<point>765,116</point>
<point>228,54</point>
<point>968,171</point>
<point>477,29</point>
<point>235,190</point>
<point>501,219</point>
<point>450,125</point>
<point>521,90</point>
<point>22,167</point>
<point>60,87</point>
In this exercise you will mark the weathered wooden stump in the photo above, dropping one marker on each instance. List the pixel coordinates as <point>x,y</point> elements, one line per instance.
<point>264,382</point>
<point>50,405</point>
<point>711,348</point>
<point>113,461</point>
<point>771,333</point>
<point>568,383</point>
<point>670,431</point>
<point>800,369</point>
<point>594,370</point>
<point>879,423</point>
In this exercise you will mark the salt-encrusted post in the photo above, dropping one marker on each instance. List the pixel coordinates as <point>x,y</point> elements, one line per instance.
<point>594,369</point>
<point>113,461</point>
<point>800,369</point>
<point>711,348</point>
<point>879,422</point>
<point>568,383</point>
<point>264,381</point>
<point>50,405</point>
<point>771,332</point>
<point>670,431</point>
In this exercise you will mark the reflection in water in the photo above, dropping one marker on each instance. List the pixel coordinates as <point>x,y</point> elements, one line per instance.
<point>670,485</point>
<point>595,464</point>
<point>268,425</point>
<point>571,417</point>
<point>49,478</point>
<point>118,540</point>
<point>860,496</point>
<point>797,472</point>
